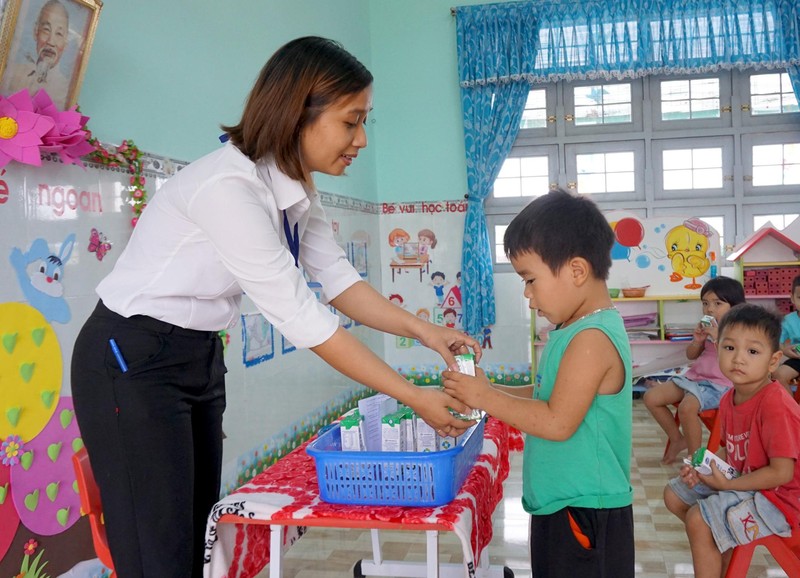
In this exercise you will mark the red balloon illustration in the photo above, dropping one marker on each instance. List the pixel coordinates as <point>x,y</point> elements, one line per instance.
<point>629,232</point>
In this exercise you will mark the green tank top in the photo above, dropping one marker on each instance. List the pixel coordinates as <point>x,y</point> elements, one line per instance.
<point>592,468</point>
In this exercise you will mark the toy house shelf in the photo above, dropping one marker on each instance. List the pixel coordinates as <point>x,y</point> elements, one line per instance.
<point>766,263</point>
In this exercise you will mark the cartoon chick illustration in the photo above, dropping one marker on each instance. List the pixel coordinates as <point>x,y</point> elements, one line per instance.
<point>687,245</point>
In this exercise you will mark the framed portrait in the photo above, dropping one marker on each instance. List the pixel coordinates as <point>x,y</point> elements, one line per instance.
<point>45,44</point>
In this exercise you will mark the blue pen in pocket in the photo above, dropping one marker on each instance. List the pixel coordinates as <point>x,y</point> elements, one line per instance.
<point>118,354</point>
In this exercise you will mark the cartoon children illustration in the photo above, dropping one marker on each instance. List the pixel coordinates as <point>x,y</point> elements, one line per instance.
<point>438,282</point>
<point>398,238</point>
<point>427,241</point>
<point>397,299</point>
<point>487,337</point>
<point>424,314</point>
<point>449,317</point>
<point>456,289</point>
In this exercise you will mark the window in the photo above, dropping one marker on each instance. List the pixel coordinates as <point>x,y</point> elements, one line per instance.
<point>606,172</point>
<point>523,177</point>
<point>499,250</point>
<point>692,168</point>
<point>687,167</point>
<point>535,113</point>
<point>776,164</point>
<point>778,221</point>
<point>676,145</point>
<point>602,104</point>
<point>690,99</point>
<point>772,94</point>
<point>609,107</point>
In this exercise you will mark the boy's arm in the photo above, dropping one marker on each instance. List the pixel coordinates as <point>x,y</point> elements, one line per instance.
<point>780,471</point>
<point>590,365</point>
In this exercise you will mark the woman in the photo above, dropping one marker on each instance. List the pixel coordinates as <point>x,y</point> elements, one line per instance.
<point>147,369</point>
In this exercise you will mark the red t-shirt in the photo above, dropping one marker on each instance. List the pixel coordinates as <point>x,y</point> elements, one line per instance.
<point>765,426</point>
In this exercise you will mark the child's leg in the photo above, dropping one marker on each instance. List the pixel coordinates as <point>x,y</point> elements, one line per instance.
<point>674,504</point>
<point>657,401</point>
<point>691,425</point>
<point>706,557</point>
<point>785,374</point>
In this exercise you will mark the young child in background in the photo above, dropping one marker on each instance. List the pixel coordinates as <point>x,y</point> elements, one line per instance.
<point>760,439</point>
<point>790,340</point>
<point>702,386</point>
<point>577,414</point>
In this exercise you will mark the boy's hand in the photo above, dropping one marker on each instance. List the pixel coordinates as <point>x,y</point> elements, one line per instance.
<point>689,476</point>
<point>466,388</point>
<point>716,480</point>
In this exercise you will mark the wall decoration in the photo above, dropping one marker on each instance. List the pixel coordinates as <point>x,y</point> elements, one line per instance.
<point>98,244</point>
<point>45,45</point>
<point>43,486</point>
<point>258,344</point>
<point>357,255</point>
<point>40,273</point>
<point>286,346</point>
<point>31,366</point>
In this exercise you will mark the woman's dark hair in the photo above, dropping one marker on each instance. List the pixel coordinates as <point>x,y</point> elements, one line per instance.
<point>754,317</point>
<point>296,85</point>
<point>726,289</point>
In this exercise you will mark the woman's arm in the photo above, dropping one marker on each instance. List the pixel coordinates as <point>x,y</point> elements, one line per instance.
<point>349,356</point>
<point>362,303</point>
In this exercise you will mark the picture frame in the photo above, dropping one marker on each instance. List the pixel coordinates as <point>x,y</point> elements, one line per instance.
<point>45,44</point>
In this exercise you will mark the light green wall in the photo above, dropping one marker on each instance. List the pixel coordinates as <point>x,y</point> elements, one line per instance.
<point>167,73</point>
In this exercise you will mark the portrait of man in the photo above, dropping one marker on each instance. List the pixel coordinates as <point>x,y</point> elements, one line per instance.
<point>47,49</point>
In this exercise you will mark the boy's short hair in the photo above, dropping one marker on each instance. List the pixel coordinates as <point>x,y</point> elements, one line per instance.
<point>795,283</point>
<point>559,226</point>
<point>726,289</point>
<point>752,316</point>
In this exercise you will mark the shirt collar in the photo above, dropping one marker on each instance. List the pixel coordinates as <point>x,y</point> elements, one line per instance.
<point>287,191</point>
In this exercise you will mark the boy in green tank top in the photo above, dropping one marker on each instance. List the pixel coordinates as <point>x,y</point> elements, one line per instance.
<point>577,413</point>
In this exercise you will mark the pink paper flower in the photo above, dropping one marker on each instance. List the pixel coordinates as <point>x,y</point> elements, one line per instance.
<point>21,130</point>
<point>68,137</point>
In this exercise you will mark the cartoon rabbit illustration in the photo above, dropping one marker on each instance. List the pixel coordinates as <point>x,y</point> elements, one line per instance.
<point>40,273</point>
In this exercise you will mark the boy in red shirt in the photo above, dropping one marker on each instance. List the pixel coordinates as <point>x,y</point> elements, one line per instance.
<point>761,439</point>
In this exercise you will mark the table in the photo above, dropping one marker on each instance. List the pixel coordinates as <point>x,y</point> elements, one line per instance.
<point>398,268</point>
<point>268,514</point>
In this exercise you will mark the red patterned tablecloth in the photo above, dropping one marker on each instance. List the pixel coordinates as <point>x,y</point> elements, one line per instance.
<point>287,493</point>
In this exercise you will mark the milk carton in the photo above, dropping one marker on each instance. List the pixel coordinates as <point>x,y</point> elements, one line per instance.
<point>702,460</point>
<point>466,365</point>
<point>351,432</point>
<point>391,434</point>
<point>425,437</point>
<point>407,429</point>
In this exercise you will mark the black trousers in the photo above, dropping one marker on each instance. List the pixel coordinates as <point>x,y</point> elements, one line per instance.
<point>154,437</point>
<point>557,553</point>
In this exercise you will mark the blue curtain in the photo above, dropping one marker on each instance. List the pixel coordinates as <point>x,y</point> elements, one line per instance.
<point>492,113</point>
<point>631,38</point>
<point>504,47</point>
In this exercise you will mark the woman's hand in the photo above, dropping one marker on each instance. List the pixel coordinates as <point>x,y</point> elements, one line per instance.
<point>432,405</point>
<point>447,342</point>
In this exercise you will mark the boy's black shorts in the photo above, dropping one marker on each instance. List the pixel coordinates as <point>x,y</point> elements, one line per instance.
<point>583,543</point>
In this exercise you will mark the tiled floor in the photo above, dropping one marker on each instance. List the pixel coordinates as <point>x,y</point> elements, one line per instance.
<point>661,547</point>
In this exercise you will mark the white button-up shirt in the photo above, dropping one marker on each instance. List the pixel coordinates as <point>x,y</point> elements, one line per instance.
<point>214,231</point>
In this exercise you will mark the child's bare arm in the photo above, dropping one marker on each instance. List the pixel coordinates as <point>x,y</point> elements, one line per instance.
<point>779,472</point>
<point>789,351</point>
<point>523,391</point>
<point>591,365</point>
<point>697,344</point>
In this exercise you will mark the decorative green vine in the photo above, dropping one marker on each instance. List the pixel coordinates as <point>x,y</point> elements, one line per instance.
<point>129,156</point>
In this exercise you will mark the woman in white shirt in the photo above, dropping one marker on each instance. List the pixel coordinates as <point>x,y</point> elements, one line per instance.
<point>147,369</point>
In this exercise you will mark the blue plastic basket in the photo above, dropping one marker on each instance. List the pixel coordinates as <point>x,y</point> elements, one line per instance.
<point>392,478</point>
